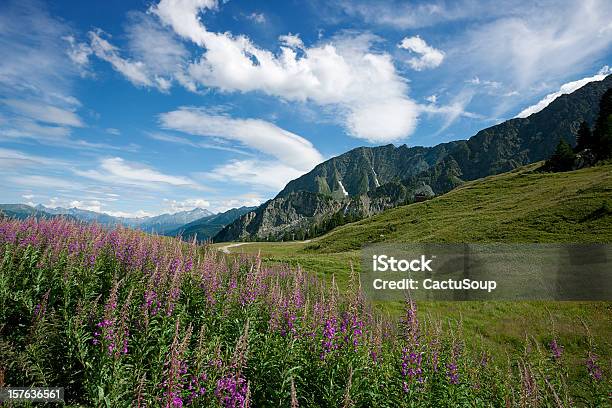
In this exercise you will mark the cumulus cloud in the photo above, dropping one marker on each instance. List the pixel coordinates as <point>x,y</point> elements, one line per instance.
<point>92,205</point>
<point>245,200</point>
<point>183,16</point>
<point>565,89</point>
<point>358,85</point>
<point>265,137</point>
<point>189,204</point>
<point>343,73</point>
<point>428,57</point>
<point>291,40</point>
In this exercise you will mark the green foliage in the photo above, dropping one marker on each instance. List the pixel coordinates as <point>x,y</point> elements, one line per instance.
<point>602,134</point>
<point>562,159</point>
<point>584,137</point>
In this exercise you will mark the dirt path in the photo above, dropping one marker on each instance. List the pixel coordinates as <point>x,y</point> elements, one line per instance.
<point>226,248</point>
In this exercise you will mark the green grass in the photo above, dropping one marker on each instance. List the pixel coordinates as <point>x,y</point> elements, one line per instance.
<point>522,206</point>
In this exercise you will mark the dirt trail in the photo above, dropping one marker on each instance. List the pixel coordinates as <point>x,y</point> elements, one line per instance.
<point>226,248</point>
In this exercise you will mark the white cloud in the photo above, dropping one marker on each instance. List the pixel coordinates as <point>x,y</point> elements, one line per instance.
<point>10,159</point>
<point>127,214</point>
<point>33,53</point>
<point>401,14</point>
<point>291,41</point>
<point>183,16</point>
<point>36,75</point>
<point>42,182</point>
<point>44,113</point>
<point>452,111</point>
<point>565,89</point>
<point>287,147</point>
<point>134,71</point>
<point>86,205</point>
<point>175,206</point>
<point>245,200</point>
<point>343,74</point>
<point>259,18</point>
<point>428,57</point>
<point>118,171</point>
<point>272,176</point>
<point>113,131</point>
<point>28,197</point>
<point>485,83</point>
<point>533,43</point>
<point>199,145</point>
<point>157,47</point>
<point>78,52</point>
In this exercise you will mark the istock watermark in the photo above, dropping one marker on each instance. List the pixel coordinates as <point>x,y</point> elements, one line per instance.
<point>487,271</point>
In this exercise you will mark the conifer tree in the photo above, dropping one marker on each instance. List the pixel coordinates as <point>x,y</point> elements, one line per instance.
<point>602,135</point>
<point>584,138</point>
<point>562,159</point>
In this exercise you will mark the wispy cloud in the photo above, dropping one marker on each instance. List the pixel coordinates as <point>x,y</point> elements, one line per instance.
<point>259,18</point>
<point>164,137</point>
<point>44,182</point>
<point>11,159</point>
<point>116,170</point>
<point>44,112</point>
<point>287,147</point>
<point>565,89</point>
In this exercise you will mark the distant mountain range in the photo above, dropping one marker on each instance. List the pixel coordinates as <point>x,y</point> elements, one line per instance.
<point>369,180</point>
<point>160,224</point>
<point>198,222</point>
<point>207,227</point>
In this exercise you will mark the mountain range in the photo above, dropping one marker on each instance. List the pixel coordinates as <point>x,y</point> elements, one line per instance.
<point>207,227</point>
<point>199,223</point>
<point>368,180</point>
<point>160,224</point>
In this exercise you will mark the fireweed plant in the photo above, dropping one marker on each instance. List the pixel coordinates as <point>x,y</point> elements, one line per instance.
<point>121,318</point>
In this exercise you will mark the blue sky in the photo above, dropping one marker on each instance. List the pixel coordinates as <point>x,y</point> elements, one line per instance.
<point>144,107</point>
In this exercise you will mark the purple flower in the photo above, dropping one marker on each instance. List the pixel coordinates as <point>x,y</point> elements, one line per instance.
<point>556,349</point>
<point>452,373</point>
<point>231,391</point>
<point>594,370</point>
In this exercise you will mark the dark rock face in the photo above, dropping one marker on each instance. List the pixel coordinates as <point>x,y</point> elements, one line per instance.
<point>368,180</point>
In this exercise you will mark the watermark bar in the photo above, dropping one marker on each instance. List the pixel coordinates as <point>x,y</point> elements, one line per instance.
<point>32,394</point>
<point>487,271</point>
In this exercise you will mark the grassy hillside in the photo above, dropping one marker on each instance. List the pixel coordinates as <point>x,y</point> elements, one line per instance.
<point>520,206</point>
